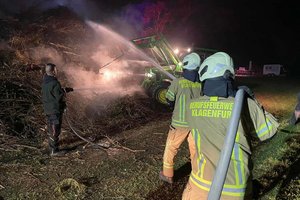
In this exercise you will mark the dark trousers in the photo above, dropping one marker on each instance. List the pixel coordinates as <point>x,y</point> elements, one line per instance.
<point>54,129</point>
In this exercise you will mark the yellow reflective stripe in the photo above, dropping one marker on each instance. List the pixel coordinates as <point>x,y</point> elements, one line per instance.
<point>168,165</point>
<point>178,121</point>
<point>170,95</point>
<point>241,158</point>
<point>231,190</point>
<point>237,138</point>
<point>182,108</point>
<point>213,98</point>
<point>264,128</point>
<point>225,185</point>
<point>198,147</point>
<point>237,165</point>
<point>202,168</point>
<point>180,125</point>
<point>234,160</point>
<point>200,158</point>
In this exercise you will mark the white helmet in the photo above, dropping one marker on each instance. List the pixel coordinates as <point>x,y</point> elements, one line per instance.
<point>215,66</point>
<point>191,61</point>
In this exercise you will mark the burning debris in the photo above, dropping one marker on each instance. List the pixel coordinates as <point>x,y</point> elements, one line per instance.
<point>106,83</point>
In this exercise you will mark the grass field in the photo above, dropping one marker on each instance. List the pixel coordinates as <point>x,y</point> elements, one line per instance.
<point>120,173</point>
<point>276,162</point>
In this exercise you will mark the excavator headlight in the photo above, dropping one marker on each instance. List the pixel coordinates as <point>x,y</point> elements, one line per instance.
<point>149,74</point>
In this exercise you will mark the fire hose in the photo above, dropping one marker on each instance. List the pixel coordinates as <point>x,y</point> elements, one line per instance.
<point>223,163</point>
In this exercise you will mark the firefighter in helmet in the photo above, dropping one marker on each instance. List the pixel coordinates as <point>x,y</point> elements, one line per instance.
<point>208,117</point>
<point>54,104</point>
<point>179,92</point>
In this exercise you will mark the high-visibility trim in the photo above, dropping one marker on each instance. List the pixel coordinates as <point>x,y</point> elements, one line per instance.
<point>241,158</point>
<point>264,129</point>
<point>170,95</point>
<point>237,165</point>
<point>200,158</point>
<point>182,108</point>
<point>196,136</point>
<point>197,139</point>
<point>214,98</point>
<point>181,114</point>
<point>168,165</point>
<point>202,167</point>
<point>231,190</point>
<point>179,123</point>
<point>237,138</point>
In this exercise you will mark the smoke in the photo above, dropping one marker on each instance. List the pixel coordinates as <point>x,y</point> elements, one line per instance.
<point>85,9</point>
<point>46,55</point>
<point>118,67</point>
<point>116,72</point>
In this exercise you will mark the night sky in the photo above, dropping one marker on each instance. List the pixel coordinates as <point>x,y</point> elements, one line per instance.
<point>262,31</point>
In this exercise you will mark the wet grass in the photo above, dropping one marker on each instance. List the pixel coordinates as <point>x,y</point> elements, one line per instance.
<point>275,160</point>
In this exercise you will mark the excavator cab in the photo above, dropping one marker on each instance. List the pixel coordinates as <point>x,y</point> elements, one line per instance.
<point>157,47</point>
<point>155,82</point>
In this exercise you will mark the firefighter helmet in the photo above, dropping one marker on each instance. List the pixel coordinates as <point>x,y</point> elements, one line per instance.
<point>191,61</point>
<point>216,65</point>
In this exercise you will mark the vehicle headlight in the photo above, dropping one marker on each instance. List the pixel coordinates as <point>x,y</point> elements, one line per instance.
<point>149,74</point>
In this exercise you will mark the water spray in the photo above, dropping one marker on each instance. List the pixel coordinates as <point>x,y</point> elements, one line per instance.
<point>122,40</point>
<point>90,88</point>
<point>113,60</point>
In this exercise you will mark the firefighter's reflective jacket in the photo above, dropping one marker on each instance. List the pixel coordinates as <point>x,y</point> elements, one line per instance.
<point>179,91</point>
<point>208,117</point>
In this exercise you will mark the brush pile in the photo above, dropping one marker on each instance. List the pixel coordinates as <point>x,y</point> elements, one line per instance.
<point>21,112</point>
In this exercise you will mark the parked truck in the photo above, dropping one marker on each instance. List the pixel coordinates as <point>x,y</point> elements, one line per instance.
<point>274,70</point>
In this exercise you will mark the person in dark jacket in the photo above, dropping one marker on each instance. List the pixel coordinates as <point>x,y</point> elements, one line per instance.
<point>54,104</point>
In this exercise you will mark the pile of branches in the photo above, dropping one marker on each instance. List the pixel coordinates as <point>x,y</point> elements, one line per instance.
<point>20,101</point>
<point>21,112</point>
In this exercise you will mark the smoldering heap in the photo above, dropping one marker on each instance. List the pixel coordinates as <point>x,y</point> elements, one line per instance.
<point>58,35</point>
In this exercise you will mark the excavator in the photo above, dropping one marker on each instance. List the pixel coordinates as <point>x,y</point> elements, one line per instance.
<point>156,82</point>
